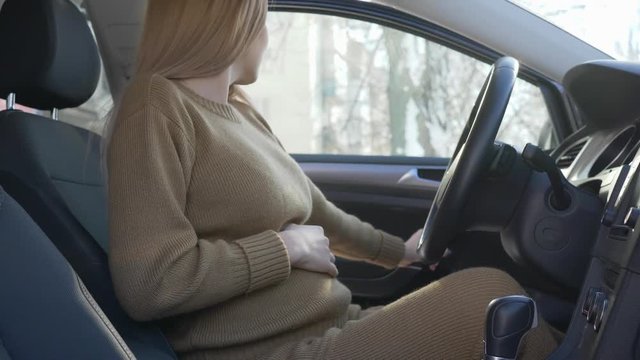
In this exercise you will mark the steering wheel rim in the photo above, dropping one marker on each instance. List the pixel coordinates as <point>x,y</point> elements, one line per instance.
<point>471,157</point>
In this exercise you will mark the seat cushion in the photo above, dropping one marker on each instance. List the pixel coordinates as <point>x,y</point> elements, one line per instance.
<point>45,310</point>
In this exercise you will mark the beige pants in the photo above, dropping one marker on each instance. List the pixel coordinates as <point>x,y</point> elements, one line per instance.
<point>444,320</point>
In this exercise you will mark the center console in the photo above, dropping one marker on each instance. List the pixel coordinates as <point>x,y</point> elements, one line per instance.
<point>605,324</point>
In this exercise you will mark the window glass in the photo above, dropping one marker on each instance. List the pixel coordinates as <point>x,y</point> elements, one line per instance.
<point>331,85</point>
<point>611,26</point>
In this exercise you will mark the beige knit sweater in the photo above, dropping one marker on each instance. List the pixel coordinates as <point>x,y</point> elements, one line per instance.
<point>197,193</point>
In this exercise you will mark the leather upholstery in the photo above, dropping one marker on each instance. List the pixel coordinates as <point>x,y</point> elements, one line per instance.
<point>45,310</point>
<point>30,176</point>
<point>61,160</point>
<point>48,55</point>
<point>53,169</point>
<point>4,355</point>
<point>49,168</point>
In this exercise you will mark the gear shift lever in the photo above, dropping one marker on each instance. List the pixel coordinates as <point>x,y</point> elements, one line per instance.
<point>509,318</point>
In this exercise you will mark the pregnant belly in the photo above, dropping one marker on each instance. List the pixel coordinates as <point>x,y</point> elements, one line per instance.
<point>304,298</point>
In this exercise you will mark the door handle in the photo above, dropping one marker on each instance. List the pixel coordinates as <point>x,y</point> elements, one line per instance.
<point>412,179</point>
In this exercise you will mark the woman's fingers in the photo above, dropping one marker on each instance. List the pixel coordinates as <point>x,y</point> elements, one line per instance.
<point>308,248</point>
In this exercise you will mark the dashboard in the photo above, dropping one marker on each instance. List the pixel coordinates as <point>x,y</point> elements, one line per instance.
<point>603,158</point>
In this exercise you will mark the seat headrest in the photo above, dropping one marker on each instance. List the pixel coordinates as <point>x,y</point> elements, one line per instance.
<point>48,56</point>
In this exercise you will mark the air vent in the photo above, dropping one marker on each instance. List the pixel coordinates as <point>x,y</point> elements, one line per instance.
<point>614,153</point>
<point>569,156</point>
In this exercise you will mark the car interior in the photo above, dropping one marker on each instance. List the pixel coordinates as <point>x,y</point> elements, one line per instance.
<point>561,221</point>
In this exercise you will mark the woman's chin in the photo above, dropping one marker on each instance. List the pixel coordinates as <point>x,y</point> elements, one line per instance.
<point>247,79</point>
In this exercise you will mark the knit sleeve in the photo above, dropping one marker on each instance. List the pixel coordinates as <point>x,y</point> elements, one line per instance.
<point>160,266</point>
<point>352,238</point>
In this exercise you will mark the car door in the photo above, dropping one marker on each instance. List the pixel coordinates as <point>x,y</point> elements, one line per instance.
<point>371,102</point>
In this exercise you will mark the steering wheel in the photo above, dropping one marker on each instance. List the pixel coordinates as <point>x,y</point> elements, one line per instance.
<point>471,157</point>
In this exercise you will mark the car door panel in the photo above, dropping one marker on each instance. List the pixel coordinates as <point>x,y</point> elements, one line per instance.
<point>391,185</point>
<point>392,197</point>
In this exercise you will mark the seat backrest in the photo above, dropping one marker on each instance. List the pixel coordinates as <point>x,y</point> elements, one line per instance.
<point>49,59</point>
<point>45,310</point>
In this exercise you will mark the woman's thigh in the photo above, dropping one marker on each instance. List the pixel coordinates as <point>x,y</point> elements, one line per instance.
<point>444,320</point>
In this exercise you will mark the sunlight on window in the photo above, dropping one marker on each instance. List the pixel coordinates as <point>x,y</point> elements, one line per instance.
<point>331,85</point>
<point>612,26</point>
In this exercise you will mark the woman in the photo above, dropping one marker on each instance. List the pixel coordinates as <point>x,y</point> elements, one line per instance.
<point>216,231</point>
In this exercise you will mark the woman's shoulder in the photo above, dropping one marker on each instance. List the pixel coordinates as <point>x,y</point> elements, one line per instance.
<point>152,92</point>
<point>155,101</point>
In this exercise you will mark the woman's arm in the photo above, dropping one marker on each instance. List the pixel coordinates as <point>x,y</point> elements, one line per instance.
<point>159,265</point>
<point>352,238</point>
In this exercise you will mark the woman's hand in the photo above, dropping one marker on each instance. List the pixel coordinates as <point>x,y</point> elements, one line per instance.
<point>308,248</point>
<point>411,250</point>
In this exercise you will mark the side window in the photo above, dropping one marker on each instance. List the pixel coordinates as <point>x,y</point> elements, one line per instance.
<point>527,119</point>
<point>331,85</point>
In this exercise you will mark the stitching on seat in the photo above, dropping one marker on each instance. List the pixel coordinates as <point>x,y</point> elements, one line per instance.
<point>75,182</point>
<point>104,318</point>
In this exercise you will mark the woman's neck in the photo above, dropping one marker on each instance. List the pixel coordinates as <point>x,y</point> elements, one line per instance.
<point>214,88</point>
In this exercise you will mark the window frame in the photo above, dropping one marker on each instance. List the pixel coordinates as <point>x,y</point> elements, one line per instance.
<point>553,93</point>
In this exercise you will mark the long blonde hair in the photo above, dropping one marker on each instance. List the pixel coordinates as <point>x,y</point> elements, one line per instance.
<point>197,38</point>
<point>193,38</point>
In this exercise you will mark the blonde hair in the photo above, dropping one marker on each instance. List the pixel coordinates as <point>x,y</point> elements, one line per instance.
<point>193,38</point>
<point>197,38</point>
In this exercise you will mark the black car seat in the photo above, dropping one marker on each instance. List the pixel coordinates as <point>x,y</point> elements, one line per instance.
<point>45,310</point>
<point>49,59</point>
